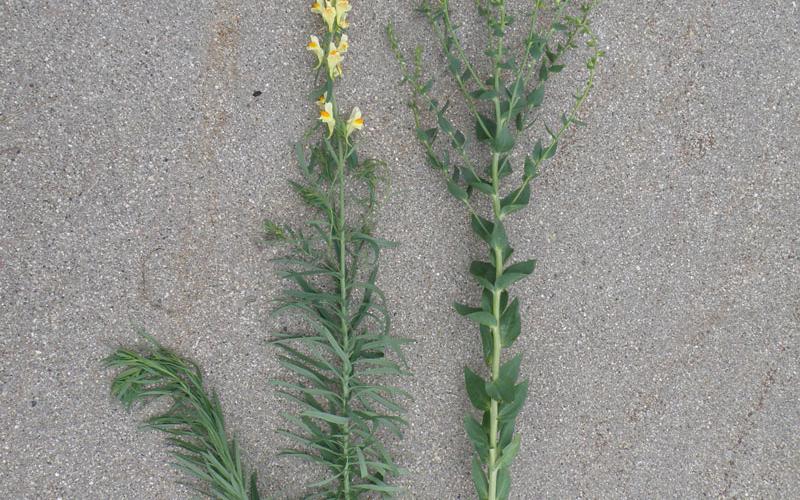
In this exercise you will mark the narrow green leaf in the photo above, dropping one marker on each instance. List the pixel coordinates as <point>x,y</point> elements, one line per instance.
<point>362,465</point>
<point>253,493</point>
<point>333,419</point>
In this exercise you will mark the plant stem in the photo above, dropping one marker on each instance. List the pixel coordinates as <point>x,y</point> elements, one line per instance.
<point>496,335</point>
<point>498,265</point>
<point>345,484</point>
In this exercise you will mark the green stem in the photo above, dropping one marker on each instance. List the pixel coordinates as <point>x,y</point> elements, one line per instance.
<point>342,230</point>
<point>496,334</point>
<point>498,264</point>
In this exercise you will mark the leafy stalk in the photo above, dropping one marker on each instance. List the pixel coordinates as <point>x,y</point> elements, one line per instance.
<point>500,106</point>
<point>339,362</point>
<point>194,423</point>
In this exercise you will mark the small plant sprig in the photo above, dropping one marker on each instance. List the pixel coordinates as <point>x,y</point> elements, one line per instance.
<point>502,107</point>
<point>333,266</point>
<point>194,422</point>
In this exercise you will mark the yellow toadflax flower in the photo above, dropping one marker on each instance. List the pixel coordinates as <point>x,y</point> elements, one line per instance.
<point>343,44</point>
<point>314,47</point>
<point>316,7</point>
<point>342,8</point>
<point>321,100</point>
<point>329,15</point>
<point>355,122</point>
<point>326,116</point>
<point>334,61</point>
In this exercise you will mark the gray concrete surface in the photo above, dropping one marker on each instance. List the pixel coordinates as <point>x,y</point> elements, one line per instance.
<point>661,327</point>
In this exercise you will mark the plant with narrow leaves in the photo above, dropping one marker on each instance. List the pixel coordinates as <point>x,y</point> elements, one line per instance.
<point>339,361</point>
<point>503,107</point>
<point>194,422</point>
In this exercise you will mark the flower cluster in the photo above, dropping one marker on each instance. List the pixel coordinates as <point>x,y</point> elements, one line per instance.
<point>334,14</point>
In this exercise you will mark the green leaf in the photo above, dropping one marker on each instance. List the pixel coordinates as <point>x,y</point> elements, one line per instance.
<point>509,453</point>
<point>503,483</point>
<point>498,238</point>
<point>362,463</point>
<point>458,139</point>
<point>465,310</point>
<point>493,390</point>
<point>453,64</point>
<point>509,411</point>
<point>457,192</point>
<point>253,493</point>
<point>490,128</point>
<point>427,87</point>
<point>483,318</point>
<point>445,124</point>
<point>503,141</point>
<point>515,200</point>
<point>506,433</point>
<point>535,96</point>
<point>477,435</point>
<point>514,273</point>
<point>483,272</point>
<point>510,324</point>
<point>506,379</point>
<point>328,417</point>
<point>484,95</point>
<point>487,342</point>
<point>505,167</point>
<point>473,180</point>
<point>476,389</point>
<point>544,73</point>
<point>482,227</point>
<point>550,151</point>
<point>475,314</point>
<point>427,136</point>
<point>479,479</point>
<point>531,168</point>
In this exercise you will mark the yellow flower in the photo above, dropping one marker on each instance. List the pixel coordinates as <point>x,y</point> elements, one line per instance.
<point>326,116</point>
<point>355,122</point>
<point>342,8</point>
<point>334,61</point>
<point>343,44</point>
<point>329,15</point>
<point>321,100</point>
<point>314,47</point>
<point>316,7</point>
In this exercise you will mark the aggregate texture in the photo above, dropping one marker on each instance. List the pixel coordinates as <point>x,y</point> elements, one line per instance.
<point>660,328</point>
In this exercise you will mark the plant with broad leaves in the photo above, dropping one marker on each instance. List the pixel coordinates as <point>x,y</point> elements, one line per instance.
<point>503,107</point>
<point>346,351</point>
